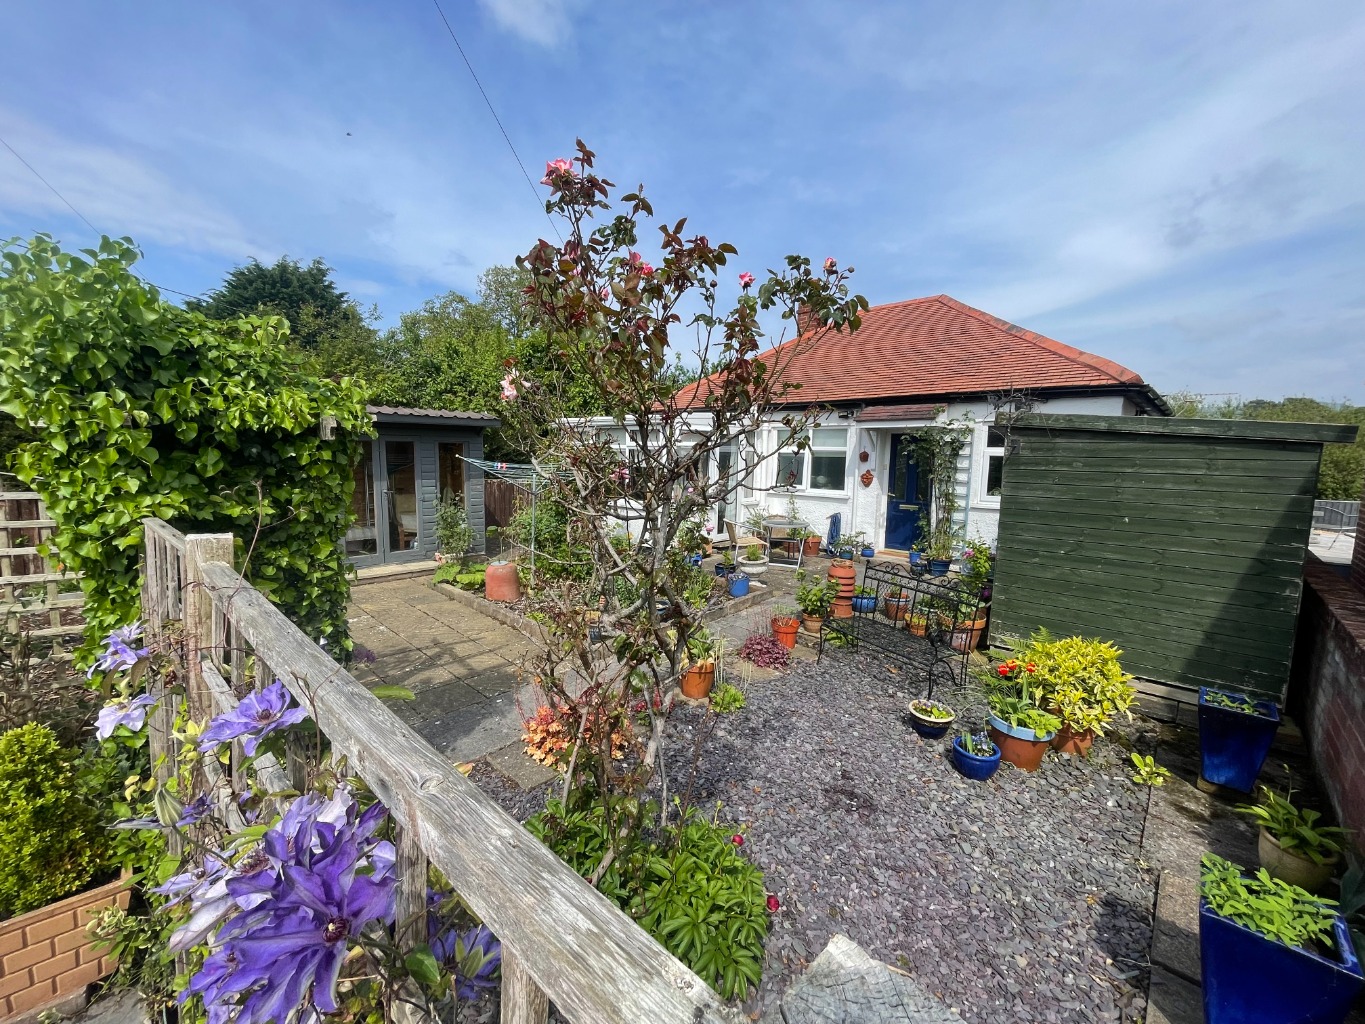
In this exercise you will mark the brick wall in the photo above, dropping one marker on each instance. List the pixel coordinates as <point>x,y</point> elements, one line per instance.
<point>46,955</point>
<point>1327,688</point>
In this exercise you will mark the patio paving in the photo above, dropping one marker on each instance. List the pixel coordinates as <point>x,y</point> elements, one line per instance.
<point>464,668</point>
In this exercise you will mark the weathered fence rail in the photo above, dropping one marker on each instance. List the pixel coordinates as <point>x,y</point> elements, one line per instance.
<point>562,940</point>
<point>31,597</point>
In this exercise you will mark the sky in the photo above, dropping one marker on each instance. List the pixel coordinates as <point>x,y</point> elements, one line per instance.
<point>1178,187</point>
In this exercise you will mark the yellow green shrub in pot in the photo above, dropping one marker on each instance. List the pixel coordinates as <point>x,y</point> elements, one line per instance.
<point>1081,681</point>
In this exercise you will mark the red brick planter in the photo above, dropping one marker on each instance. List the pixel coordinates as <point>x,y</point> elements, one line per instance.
<point>46,955</point>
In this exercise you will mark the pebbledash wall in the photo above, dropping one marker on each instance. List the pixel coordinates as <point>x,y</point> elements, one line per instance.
<point>1327,684</point>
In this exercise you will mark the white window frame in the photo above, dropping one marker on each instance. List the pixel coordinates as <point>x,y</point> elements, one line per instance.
<point>988,452</point>
<point>808,454</point>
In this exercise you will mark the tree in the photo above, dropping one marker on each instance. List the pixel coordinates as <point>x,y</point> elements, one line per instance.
<point>143,409</point>
<point>611,321</point>
<point>306,296</point>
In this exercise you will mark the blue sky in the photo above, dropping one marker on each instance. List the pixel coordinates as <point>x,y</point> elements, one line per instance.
<point>1179,187</point>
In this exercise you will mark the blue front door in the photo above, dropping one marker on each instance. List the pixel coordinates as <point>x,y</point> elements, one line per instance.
<point>904,501</point>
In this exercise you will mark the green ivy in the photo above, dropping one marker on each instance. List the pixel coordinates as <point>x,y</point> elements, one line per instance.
<point>141,408</point>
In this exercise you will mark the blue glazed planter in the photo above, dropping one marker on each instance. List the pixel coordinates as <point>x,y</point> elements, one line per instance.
<point>721,570</point>
<point>739,584</point>
<point>915,558</point>
<point>869,552</point>
<point>1250,979</point>
<point>695,558</point>
<point>939,566</point>
<point>1233,744</point>
<point>865,603</point>
<point>973,767</point>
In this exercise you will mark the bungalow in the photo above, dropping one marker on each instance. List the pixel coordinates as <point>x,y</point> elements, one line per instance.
<point>911,365</point>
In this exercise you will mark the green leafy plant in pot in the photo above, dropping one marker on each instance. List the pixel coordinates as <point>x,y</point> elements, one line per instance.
<point>1019,726</point>
<point>930,718</point>
<point>814,597</point>
<point>1081,682</point>
<point>1271,952</point>
<point>1292,845</point>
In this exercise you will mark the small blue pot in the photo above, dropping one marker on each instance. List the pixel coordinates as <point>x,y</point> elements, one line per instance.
<point>973,767</point>
<point>1250,979</point>
<point>845,553</point>
<point>695,558</point>
<point>869,552</point>
<point>739,584</point>
<point>915,558</point>
<point>865,603</point>
<point>927,728</point>
<point>940,566</point>
<point>721,570</point>
<point>1233,744</point>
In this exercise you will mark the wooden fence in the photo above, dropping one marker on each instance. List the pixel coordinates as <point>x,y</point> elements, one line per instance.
<point>31,597</point>
<point>562,940</point>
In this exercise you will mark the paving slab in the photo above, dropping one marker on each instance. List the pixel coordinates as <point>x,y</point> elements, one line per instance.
<point>1173,1000</point>
<point>512,761</point>
<point>1175,935</point>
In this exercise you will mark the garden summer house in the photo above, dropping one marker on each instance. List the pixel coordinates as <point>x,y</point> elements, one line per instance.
<point>419,458</point>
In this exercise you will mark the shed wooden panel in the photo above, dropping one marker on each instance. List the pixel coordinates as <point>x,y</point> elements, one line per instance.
<point>1181,540</point>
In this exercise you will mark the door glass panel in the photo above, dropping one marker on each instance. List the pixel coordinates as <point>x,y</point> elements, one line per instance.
<point>363,536</point>
<point>450,466</point>
<point>400,462</point>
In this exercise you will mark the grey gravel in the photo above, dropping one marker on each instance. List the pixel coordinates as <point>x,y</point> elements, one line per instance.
<point>1018,899</point>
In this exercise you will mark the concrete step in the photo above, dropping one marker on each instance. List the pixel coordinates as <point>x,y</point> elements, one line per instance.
<point>846,986</point>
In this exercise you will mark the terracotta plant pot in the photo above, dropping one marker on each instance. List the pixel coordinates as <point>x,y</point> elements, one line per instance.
<point>894,608</point>
<point>1022,748</point>
<point>1288,866</point>
<point>967,635</point>
<point>500,582</point>
<point>917,626</point>
<point>810,547</point>
<point>845,574</point>
<point>697,681</point>
<point>1069,742</point>
<point>811,623</point>
<point>784,628</point>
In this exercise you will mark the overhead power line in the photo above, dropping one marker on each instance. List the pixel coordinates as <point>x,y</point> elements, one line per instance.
<point>505,137</point>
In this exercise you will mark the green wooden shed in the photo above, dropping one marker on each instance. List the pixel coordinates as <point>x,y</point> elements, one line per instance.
<point>1182,540</point>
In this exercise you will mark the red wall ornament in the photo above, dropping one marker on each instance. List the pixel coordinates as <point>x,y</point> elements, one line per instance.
<point>863,456</point>
<point>867,477</point>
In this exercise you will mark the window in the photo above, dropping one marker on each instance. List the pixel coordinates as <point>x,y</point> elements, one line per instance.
<point>995,464</point>
<point>450,466</point>
<point>828,458</point>
<point>821,466</point>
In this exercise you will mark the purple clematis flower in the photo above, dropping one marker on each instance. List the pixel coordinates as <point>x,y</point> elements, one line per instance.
<point>196,811</point>
<point>476,957</point>
<point>119,652</point>
<point>130,712</point>
<point>256,717</point>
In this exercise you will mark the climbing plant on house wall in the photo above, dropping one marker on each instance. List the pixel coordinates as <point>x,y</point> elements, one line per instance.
<point>141,408</point>
<point>937,450</point>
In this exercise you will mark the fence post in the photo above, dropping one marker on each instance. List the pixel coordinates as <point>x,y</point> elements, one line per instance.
<point>523,1001</point>
<point>200,548</point>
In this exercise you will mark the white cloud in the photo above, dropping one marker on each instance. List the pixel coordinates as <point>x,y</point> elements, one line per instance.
<point>544,22</point>
<point>119,193</point>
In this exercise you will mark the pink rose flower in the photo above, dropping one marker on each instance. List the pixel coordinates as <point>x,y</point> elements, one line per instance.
<point>555,169</point>
<point>509,387</point>
<point>746,279</point>
<point>830,264</point>
<point>646,270</point>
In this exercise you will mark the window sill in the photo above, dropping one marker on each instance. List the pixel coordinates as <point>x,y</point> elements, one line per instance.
<point>816,492</point>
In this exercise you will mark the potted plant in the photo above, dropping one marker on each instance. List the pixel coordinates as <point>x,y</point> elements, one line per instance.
<point>853,543</point>
<point>700,674</point>
<point>453,533</point>
<point>975,756</point>
<point>895,605</point>
<point>1019,726</point>
<point>785,625</point>
<point>865,600</point>
<point>1235,734</point>
<point>754,561</point>
<point>930,719</point>
<point>810,541</point>
<point>844,575</point>
<point>1292,845</point>
<point>942,544</point>
<point>726,565</point>
<point>918,623</point>
<point>1081,682</point>
<point>844,548</point>
<point>1271,952</point>
<point>738,584</point>
<point>815,598</point>
<point>57,870</point>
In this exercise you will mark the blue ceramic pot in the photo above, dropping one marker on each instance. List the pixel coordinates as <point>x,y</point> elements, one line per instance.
<point>1233,744</point>
<point>865,603</point>
<point>739,584</point>
<point>845,553</point>
<point>1250,979</point>
<point>869,552</point>
<point>915,558</point>
<point>939,566</point>
<point>721,569</point>
<point>927,727</point>
<point>972,766</point>
<point>695,558</point>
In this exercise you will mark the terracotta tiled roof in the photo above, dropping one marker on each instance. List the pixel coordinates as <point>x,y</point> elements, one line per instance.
<point>922,348</point>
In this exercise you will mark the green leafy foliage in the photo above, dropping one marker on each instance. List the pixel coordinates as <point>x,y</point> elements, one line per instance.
<point>453,532</point>
<point>143,409</point>
<point>691,888</point>
<point>306,296</point>
<point>562,551</point>
<point>815,596</point>
<point>465,579</point>
<point>1276,909</point>
<point>52,841</point>
<point>1146,772</point>
<point>1079,680</point>
<point>1295,829</point>
<point>727,698</point>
